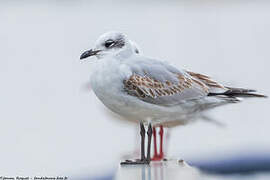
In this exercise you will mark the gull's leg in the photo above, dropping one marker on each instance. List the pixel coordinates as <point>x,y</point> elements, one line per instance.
<point>143,160</point>
<point>149,133</point>
<point>142,132</point>
<point>154,158</point>
<point>161,154</point>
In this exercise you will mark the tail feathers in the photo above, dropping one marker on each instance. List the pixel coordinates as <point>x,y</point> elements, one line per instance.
<point>238,92</point>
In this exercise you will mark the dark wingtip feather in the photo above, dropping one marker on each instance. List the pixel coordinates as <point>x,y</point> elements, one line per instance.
<point>239,92</point>
<point>258,95</point>
<point>250,95</point>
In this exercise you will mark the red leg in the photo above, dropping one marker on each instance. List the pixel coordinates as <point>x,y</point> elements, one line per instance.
<point>161,154</point>
<point>155,157</point>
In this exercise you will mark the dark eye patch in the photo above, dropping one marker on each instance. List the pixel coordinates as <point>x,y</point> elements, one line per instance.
<point>109,43</point>
<point>117,43</point>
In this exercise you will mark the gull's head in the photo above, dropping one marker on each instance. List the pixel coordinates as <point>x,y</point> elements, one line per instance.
<point>109,44</point>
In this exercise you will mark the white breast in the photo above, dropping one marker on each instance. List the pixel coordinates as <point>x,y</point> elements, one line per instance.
<point>107,82</point>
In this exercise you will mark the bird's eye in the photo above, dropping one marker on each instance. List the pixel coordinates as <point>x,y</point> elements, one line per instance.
<point>109,43</point>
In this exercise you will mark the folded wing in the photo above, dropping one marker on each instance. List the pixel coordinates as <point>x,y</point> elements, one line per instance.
<point>159,83</point>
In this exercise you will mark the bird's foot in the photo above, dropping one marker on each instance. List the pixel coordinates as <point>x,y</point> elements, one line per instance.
<point>157,158</point>
<point>135,162</point>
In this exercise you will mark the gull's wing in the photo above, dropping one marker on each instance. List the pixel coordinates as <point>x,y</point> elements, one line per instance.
<point>208,81</point>
<point>217,89</point>
<point>159,83</point>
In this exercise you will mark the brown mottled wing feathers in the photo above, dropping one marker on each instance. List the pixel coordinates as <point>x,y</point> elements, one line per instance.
<point>145,86</point>
<point>206,80</point>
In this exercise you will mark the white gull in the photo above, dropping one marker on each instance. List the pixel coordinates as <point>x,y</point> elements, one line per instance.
<point>151,91</point>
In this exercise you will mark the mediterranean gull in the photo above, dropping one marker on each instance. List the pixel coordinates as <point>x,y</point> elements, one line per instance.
<point>150,91</point>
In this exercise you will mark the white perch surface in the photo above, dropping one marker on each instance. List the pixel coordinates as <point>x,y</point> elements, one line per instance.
<point>170,169</point>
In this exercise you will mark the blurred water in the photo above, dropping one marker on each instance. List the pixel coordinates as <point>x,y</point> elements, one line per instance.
<point>257,176</point>
<point>51,125</point>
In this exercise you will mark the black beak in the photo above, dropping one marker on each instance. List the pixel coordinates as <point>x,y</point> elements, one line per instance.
<point>89,53</point>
